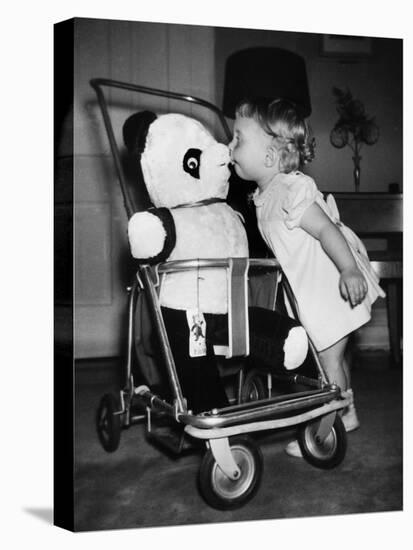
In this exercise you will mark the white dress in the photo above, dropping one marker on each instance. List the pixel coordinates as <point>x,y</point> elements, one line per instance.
<point>313,277</point>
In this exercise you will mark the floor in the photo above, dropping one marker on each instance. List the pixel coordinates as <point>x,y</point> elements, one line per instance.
<point>140,485</point>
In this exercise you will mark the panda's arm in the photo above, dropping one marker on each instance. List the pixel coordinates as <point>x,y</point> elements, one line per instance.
<point>152,235</point>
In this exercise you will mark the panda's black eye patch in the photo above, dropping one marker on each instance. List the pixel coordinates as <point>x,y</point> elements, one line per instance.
<point>192,162</point>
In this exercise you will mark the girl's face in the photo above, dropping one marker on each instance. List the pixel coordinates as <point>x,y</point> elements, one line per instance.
<point>249,149</point>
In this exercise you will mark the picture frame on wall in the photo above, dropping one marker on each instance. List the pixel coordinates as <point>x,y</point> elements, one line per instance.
<point>334,45</point>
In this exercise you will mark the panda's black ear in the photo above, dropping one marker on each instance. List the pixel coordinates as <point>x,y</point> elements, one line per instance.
<point>135,130</point>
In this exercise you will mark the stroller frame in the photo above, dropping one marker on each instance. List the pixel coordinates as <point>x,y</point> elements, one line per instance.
<point>231,469</point>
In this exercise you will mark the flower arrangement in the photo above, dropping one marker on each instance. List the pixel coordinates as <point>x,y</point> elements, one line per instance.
<point>353,128</point>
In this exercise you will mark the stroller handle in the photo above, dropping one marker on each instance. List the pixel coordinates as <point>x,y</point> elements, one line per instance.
<point>98,82</point>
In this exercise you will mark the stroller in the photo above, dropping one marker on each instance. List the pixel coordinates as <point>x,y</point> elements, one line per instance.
<point>231,468</point>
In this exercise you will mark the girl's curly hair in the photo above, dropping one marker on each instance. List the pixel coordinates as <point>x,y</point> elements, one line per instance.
<point>282,120</point>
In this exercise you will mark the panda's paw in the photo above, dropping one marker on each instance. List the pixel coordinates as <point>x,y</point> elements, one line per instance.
<point>146,234</point>
<point>295,348</point>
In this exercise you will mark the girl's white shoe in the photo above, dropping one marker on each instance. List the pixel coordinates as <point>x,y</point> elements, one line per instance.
<point>349,416</point>
<point>293,449</point>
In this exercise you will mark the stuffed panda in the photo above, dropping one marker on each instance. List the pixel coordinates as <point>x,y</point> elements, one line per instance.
<point>186,173</point>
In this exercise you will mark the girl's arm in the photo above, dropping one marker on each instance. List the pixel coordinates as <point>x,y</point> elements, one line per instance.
<point>353,285</point>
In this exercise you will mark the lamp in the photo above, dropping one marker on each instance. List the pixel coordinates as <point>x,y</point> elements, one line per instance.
<point>265,73</point>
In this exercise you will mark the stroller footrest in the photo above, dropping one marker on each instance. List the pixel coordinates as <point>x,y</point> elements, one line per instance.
<point>171,438</point>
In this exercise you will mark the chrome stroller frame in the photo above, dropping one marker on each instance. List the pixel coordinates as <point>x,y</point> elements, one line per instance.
<point>232,465</point>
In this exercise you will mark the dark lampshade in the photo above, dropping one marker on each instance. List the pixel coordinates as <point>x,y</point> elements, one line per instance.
<point>265,73</point>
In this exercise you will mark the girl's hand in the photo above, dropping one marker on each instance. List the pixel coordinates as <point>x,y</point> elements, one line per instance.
<point>353,286</point>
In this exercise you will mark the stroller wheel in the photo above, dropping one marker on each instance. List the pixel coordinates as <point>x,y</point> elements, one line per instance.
<point>108,424</point>
<point>253,388</point>
<point>223,493</point>
<point>324,454</point>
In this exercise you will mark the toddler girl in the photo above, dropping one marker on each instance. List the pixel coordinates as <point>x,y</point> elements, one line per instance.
<point>325,263</point>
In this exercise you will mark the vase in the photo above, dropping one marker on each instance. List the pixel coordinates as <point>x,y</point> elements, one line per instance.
<point>356,172</point>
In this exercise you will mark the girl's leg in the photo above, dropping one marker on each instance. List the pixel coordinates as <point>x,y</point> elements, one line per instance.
<point>333,361</point>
